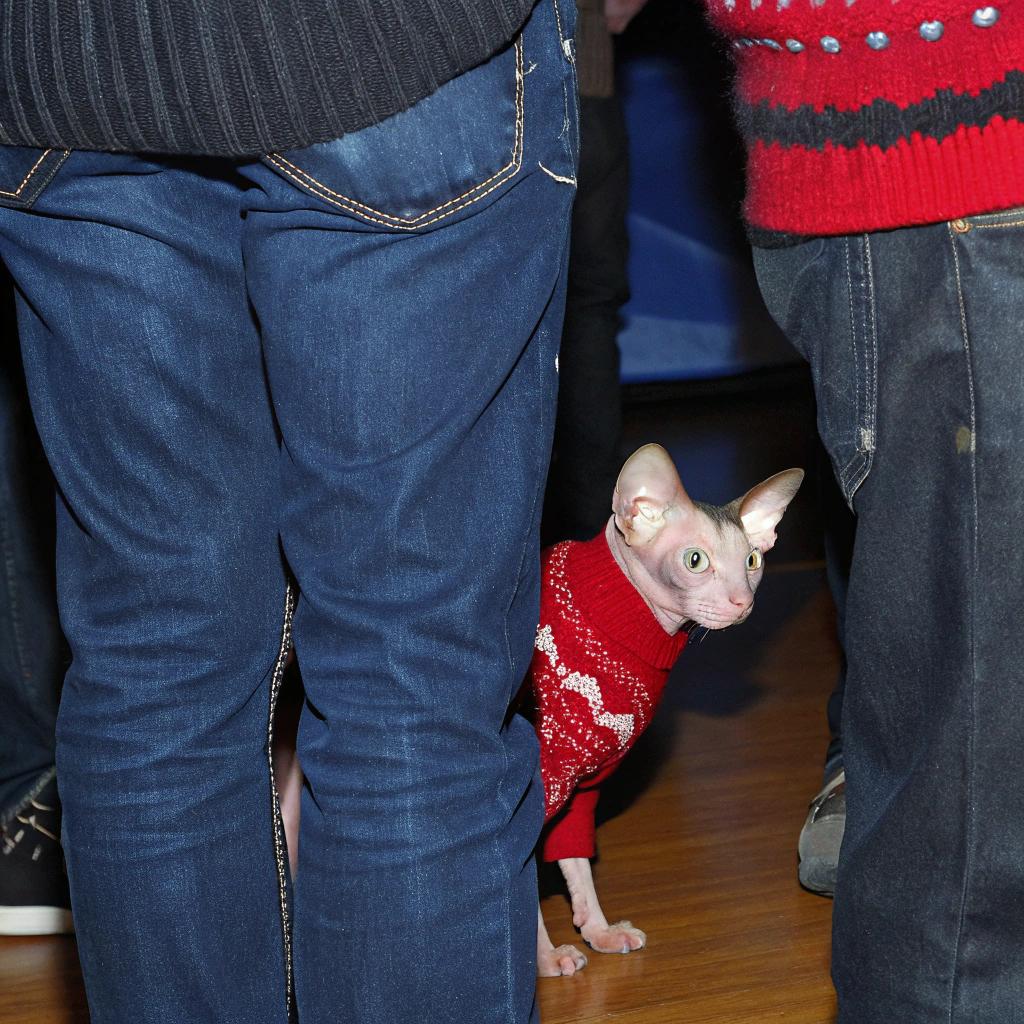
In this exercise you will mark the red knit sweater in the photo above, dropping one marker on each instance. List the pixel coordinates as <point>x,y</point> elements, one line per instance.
<point>598,671</point>
<point>873,114</point>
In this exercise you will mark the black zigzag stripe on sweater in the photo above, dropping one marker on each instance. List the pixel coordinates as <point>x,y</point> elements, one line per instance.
<point>881,122</point>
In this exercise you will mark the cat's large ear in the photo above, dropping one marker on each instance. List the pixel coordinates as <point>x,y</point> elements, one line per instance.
<point>647,490</point>
<point>761,508</point>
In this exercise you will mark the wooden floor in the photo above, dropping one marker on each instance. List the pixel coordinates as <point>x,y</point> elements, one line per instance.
<point>701,851</point>
<point>699,845</point>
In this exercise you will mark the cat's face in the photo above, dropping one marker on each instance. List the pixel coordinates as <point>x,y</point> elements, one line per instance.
<point>691,561</point>
<point>707,568</point>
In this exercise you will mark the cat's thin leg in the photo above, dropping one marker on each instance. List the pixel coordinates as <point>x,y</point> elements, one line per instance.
<point>287,770</point>
<point>288,777</point>
<point>587,915</point>
<point>553,961</point>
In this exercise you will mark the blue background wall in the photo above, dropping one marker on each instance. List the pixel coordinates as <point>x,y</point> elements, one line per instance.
<point>695,311</point>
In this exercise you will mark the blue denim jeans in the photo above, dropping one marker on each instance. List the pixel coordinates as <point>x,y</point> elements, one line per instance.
<point>330,374</point>
<point>32,650</point>
<point>914,341</point>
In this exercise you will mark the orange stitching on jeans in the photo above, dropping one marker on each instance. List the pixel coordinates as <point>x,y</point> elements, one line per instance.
<point>28,177</point>
<point>998,224</point>
<point>353,206</point>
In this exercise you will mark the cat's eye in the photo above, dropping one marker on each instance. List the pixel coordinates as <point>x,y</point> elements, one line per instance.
<point>695,560</point>
<point>754,560</point>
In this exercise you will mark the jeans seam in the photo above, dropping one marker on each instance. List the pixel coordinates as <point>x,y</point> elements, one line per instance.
<point>558,21</point>
<point>848,468</point>
<point>870,356</point>
<point>16,194</point>
<point>509,953</point>
<point>451,206</point>
<point>970,827</point>
<point>863,333</point>
<point>10,571</point>
<point>862,287</point>
<point>277,823</point>
<point>567,46</point>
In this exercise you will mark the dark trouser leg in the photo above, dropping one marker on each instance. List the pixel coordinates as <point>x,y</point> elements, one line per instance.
<point>33,659</point>
<point>840,525</point>
<point>33,654</point>
<point>913,337</point>
<point>411,342</point>
<point>146,377</point>
<point>587,458</point>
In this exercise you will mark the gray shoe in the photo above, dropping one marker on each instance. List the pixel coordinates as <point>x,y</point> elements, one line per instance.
<point>822,835</point>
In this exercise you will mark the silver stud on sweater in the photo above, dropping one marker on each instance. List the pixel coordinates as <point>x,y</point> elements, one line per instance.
<point>930,31</point>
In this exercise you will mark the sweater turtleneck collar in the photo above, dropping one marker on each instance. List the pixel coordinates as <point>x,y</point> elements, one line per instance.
<point>607,599</point>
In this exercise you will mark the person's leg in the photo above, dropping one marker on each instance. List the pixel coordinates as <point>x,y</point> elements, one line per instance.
<point>146,380</point>
<point>840,529</point>
<point>822,833</point>
<point>912,336</point>
<point>589,424</point>
<point>32,650</point>
<point>985,265</point>
<point>409,282</point>
<point>33,658</point>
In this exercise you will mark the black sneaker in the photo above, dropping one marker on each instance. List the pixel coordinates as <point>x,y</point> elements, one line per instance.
<point>33,883</point>
<point>822,835</point>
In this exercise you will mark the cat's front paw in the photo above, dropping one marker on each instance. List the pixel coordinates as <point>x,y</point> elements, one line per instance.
<point>559,961</point>
<point>621,937</point>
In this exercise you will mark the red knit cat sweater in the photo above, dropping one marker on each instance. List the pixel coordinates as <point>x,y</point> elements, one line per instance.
<point>875,114</point>
<point>598,671</point>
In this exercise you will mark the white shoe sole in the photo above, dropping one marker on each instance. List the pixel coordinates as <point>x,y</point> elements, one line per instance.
<point>35,921</point>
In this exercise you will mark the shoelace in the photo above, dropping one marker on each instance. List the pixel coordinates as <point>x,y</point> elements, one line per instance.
<point>12,838</point>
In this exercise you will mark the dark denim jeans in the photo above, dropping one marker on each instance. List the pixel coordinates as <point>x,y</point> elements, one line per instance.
<point>337,367</point>
<point>914,340</point>
<point>32,649</point>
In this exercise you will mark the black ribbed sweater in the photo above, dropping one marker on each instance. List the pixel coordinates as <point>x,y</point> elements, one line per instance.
<point>229,77</point>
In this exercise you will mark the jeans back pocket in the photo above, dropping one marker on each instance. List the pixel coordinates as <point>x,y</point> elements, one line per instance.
<point>425,164</point>
<point>25,171</point>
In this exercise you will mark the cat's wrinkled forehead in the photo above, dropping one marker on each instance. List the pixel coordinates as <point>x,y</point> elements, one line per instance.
<point>723,516</point>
